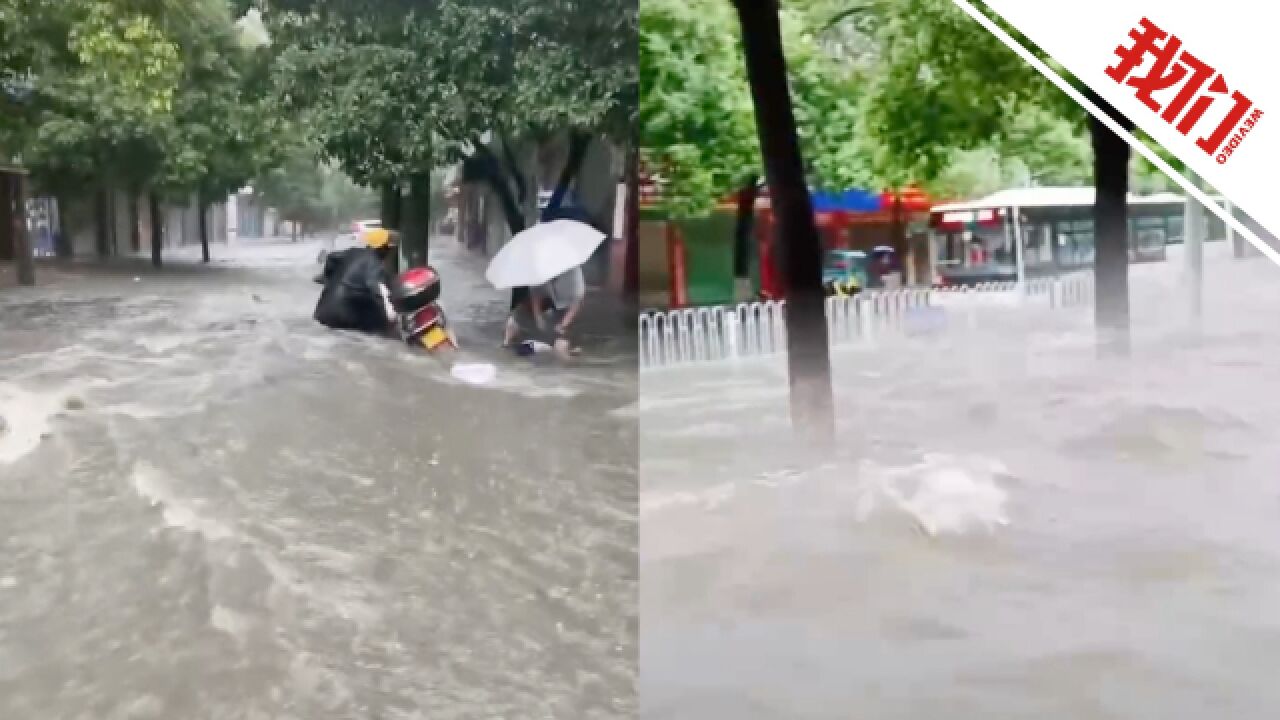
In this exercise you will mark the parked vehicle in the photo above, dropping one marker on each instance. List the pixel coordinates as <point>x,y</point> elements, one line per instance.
<point>845,272</point>
<point>348,239</point>
<point>959,276</point>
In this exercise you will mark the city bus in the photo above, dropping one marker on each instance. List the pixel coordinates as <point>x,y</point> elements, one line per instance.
<point>974,242</point>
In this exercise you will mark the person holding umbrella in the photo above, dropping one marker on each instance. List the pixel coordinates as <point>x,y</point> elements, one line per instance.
<point>547,259</point>
<point>551,309</point>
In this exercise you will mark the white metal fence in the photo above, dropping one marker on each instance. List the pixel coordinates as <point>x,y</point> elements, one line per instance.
<point>755,329</point>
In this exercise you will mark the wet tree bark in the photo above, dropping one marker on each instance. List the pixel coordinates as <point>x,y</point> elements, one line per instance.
<point>102,222</point>
<point>808,352</point>
<point>495,175</point>
<point>491,170</point>
<point>62,244</point>
<point>113,218</point>
<point>391,206</point>
<point>203,209</point>
<point>156,212</point>
<point>510,165</point>
<point>417,234</point>
<point>579,143</point>
<point>1111,233</point>
<point>135,223</point>
<point>744,223</point>
<point>632,220</point>
<point>22,252</point>
<point>8,245</point>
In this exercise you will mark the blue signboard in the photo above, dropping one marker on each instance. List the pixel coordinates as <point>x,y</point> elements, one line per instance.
<point>852,201</point>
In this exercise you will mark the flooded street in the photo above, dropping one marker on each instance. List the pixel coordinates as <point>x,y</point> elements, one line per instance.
<point>1012,528</point>
<point>211,507</point>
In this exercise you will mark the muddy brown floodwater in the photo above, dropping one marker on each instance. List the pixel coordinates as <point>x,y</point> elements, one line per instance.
<point>1012,529</point>
<point>212,508</point>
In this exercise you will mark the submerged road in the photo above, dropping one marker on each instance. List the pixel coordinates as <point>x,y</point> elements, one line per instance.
<point>210,507</point>
<point>1012,529</point>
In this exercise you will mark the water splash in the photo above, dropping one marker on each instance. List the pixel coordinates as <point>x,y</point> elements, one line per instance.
<point>178,512</point>
<point>943,494</point>
<point>26,418</point>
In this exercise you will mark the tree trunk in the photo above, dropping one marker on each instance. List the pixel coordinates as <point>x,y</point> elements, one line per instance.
<point>1111,235</point>
<point>579,143</point>
<point>632,219</point>
<point>62,246</point>
<point>743,227</point>
<point>135,224</point>
<point>102,222</point>
<point>417,235</point>
<point>808,352</point>
<point>511,169</point>
<point>203,209</point>
<point>8,243</point>
<point>113,217</point>
<point>391,206</point>
<point>494,174</point>
<point>157,229</point>
<point>898,238</point>
<point>23,258</point>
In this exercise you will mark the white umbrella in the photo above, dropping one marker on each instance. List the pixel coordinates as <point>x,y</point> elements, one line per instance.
<point>543,252</point>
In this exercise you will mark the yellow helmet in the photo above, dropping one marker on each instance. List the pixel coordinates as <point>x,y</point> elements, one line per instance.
<point>377,238</point>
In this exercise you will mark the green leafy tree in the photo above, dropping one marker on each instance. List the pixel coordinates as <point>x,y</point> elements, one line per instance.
<point>410,87</point>
<point>310,194</point>
<point>154,97</point>
<point>106,81</point>
<point>699,132</point>
<point>228,126</point>
<point>943,86</point>
<point>296,188</point>
<point>698,136</point>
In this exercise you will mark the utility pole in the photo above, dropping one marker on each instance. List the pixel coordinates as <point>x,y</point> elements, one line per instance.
<point>1193,231</point>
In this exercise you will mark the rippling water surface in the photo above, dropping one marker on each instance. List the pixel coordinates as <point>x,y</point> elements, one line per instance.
<point>212,508</point>
<point>1012,528</point>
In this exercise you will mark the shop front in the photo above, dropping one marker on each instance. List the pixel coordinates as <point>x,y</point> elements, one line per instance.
<point>697,261</point>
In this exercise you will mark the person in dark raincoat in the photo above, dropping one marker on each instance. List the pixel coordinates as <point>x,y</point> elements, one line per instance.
<point>357,293</point>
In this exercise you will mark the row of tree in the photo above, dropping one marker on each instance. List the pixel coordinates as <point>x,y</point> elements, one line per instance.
<point>169,99</point>
<point>877,92</point>
<point>391,90</point>
<point>878,101</point>
<point>886,93</point>
<point>162,99</point>
<point>311,195</point>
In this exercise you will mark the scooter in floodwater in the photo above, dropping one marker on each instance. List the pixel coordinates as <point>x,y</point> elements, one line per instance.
<point>420,320</point>
<point>422,323</point>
